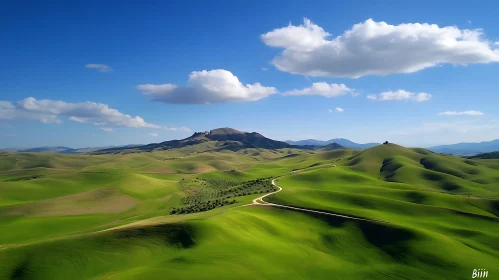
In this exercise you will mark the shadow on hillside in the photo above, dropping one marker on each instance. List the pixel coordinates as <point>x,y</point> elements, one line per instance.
<point>388,238</point>
<point>391,240</point>
<point>415,197</point>
<point>21,271</point>
<point>389,166</point>
<point>173,235</point>
<point>444,183</point>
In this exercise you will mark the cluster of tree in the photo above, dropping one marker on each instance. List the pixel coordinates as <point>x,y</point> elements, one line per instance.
<point>202,206</point>
<point>261,185</point>
<point>188,183</point>
<point>220,183</point>
<point>206,194</point>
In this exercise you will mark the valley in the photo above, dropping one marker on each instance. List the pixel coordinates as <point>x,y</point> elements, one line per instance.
<point>384,212</point>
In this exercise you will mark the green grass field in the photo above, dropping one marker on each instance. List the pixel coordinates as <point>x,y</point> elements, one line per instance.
<point>109,216</point>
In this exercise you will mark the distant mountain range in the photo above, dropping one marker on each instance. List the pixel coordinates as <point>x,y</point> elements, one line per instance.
<point>216,139</point>
<point>467,149</point>
<point>60,149</point>
<point>340,141</point>
<point>213,140</point>
<point>232,139</point>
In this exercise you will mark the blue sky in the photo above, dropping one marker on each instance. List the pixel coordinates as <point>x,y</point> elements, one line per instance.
<point>98,73</point>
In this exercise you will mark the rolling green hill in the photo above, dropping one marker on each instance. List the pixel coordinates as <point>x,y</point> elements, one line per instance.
<point>109,216</point>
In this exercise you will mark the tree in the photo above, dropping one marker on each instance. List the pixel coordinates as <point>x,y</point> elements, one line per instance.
<point>386,142</point>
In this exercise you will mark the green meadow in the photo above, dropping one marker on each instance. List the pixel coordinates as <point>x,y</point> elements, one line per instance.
<point>109,216</point>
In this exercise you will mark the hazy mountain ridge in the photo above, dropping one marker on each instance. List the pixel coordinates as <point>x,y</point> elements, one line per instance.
<point>467,149</point>
<point>340,141</point>
<point>60,149</point>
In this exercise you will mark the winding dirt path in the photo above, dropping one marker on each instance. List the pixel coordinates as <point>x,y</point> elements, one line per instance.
<point>260,201</point>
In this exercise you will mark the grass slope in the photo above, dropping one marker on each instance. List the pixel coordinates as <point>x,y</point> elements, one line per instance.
<point>106,216</point>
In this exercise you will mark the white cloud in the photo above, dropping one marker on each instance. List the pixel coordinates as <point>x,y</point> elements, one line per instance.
<point>265,68</point>
<point>400,95</point>
<point>463,113</point>
<point>4,105</point>
<point>422,96</point>
<point>322,89</point>
<point>156,90</point>
<point>51,111</point>
<point>204,87</point>
<point>106,129</point>
<point>99,67</point>
<point>153,134</point>
<point>338,109</point>
<point>376,48</point>
<point>303,38</point>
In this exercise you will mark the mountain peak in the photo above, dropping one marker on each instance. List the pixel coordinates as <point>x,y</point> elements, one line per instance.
<point>224,131</point>
<point>218,132</point>
<point>225,138</point>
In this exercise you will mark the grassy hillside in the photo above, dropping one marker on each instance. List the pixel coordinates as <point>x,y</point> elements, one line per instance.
<point>110,216</point>
<point>409,189</point>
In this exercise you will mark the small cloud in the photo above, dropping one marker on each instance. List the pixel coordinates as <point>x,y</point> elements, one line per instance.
<point>106,129</point>
<point>99,67</point>
<point>496,43</point>
<point>265,68</point>
<point>153,134</point>
<point>469,21</point>
<point>337,109</point>
<point>322,89</point>
<point>400,95</point>
<point>463,113</point>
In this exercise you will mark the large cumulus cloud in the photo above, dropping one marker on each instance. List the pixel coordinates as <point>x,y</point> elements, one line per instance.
<point>376,48</point>
<point>204,87</point>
